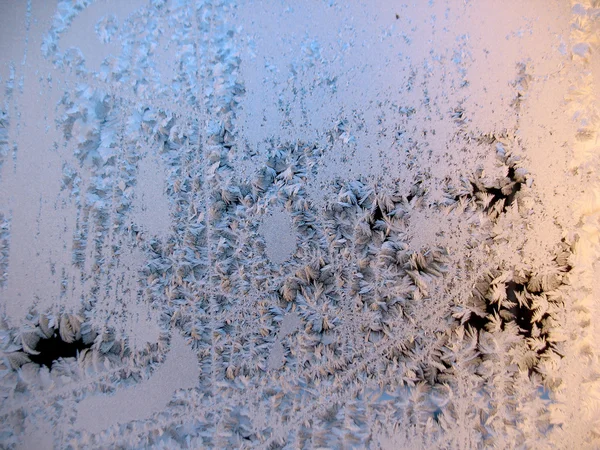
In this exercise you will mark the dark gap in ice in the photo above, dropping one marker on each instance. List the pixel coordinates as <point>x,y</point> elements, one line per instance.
<point>477,322</point>
<point>523,315</point>
<point>376,216</point>
<point>516,187</point>
<point>508,192</point>
<point>55,348</point>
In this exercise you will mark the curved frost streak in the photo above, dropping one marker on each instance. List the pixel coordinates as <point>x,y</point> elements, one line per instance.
<point>179,371</point>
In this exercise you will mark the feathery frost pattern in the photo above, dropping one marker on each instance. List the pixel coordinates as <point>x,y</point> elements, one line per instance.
<point>288,265</point>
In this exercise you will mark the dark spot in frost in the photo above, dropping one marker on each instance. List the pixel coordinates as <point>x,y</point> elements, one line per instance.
<point>507,193</point>
<point>376,216</point>
<point>55,348</point>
